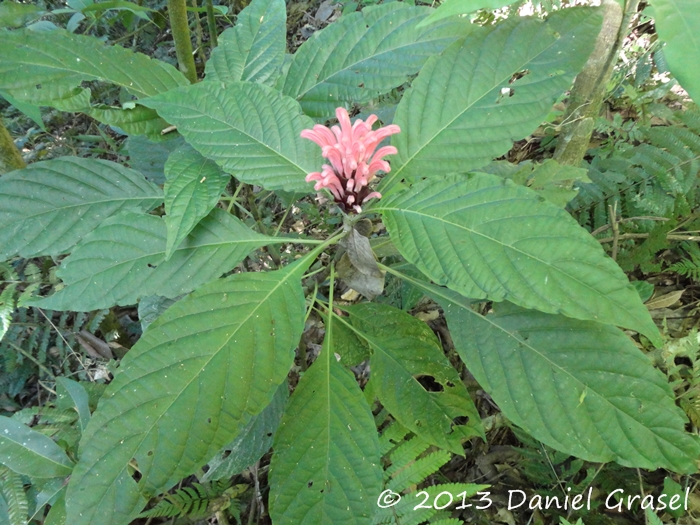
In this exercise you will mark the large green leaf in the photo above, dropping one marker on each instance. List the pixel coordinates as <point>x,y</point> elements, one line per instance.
<point>36,61</point>
<point>49,206</point>
<point>186,389</point>
<point>30,453</point>
<point>578,386</point>
<point>194,185</point>
<point>253,50</point>
<point>488,238</point>
<point>250,130</point>
<point>405,349</point>
<point>469,104</point>
<point>326,468</point>
<point>678,24</point>
<point>253,441</point>
<point>365,54</point>
<point>124,260</point>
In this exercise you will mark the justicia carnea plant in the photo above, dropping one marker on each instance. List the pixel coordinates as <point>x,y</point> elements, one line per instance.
<point>209,374</point>
<point>350,148</point>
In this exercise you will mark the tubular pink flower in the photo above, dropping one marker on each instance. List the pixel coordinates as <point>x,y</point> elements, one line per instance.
<point>350,149</point>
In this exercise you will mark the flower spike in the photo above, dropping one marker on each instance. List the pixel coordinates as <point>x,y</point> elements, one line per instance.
<point>350,149</point>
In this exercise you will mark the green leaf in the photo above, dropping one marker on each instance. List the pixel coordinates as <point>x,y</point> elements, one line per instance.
<point>462,7</point>
<point>124,259</point>
<point>578,386</point>
<point>71,394</point>
<point>469,104</point>
<point>405,349</point>
<point>13,494</point>
<point>186,389</point>
<point>250,130</point>
<point>38,61</point>
<point>253,441</point>
<point>253,50</point>
<point>326,467</point>
<point>194,185</point>
<point>488,238</point>
<point>136,121</point>
<point>30,110</point>
<point>30,453</point>
<point>677,23</point>
<point>57,514</point>
<point>365,54</point>
<point>14,14</point>
<point>49,206</point>
<point>149,158</point>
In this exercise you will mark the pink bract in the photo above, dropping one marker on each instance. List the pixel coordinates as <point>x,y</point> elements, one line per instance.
<point>350,149</point>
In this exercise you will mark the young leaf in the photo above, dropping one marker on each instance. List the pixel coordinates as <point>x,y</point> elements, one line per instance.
<point>71,394</point>
<point>37,63</point>
<point>365,54</point>
<point>250,130</point>
<point>30,453</point>
<point>253,50</point>
<point>326,467</point>
<point>578,386</point>
<point>678,24</point>
<point>124,260</point>
<point>469,104</point>
<point>488,238</point>
<point>186,389</point>
<point>194,185</point>
<point>404,349</point>
<point>253,441</point>
<point>49,206</point>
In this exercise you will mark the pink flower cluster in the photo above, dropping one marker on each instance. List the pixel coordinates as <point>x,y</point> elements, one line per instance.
<point>350,148</point>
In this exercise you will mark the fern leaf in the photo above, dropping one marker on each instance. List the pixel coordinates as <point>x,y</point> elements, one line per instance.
<point>12,490</point>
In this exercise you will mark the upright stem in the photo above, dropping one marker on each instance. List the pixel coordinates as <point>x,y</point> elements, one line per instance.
<point>198,33</point>
<point>213,39</point>
<point>590,87</point>
<point>177,10</point>
<point>10,157</point>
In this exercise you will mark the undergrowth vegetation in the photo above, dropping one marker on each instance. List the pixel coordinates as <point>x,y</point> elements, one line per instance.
<point>349,262</point>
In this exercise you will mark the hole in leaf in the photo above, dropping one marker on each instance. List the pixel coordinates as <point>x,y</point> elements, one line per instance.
<point>226,454</point>
<point>450,384</point>
<point>149,453</point>
<point>133,470</point>
<point>269,434</point>
<point>209,420</point>
<point>151,265</point>
<point>310,484</point>
<point>429,383</point>
<point>38,86</point>
<point>519,75</point>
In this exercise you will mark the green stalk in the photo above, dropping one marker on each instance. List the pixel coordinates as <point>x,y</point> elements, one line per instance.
<point>587,96</point>
<point>10,157</point>
<point>213,39</point>
<point>198,33</point>
<point>177,10</point>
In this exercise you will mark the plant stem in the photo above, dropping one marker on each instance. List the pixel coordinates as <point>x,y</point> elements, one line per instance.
<point>588,93</point>
<point>177,10</point>
<point>198,33</point>
<point>211,20</point>
<point>10,157</point>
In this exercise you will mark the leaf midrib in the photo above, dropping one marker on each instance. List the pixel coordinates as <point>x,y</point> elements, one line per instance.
<point>500,243</point>
<point>390,178</point>
<point>301,95</point>
<point>435,290</point>
<point>176,397</point>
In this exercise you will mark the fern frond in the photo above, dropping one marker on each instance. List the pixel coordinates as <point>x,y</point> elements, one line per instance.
<point>418,470</point>
<point>688,267</point>
<point>195,502</point>
<point>12,490</point>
